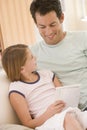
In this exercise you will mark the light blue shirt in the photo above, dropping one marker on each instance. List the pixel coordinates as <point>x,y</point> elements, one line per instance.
<point>68,59</point>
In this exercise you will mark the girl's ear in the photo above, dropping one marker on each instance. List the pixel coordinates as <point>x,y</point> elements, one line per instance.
<point>22,69</point>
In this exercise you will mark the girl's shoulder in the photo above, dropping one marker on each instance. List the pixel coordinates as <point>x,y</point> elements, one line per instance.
<point>45,73</point>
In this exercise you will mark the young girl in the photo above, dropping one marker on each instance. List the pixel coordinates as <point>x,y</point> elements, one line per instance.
<point>32,91</point>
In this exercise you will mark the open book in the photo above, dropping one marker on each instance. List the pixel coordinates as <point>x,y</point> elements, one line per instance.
<point>70,94</point>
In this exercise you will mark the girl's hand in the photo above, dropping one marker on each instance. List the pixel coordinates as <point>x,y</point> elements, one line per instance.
<point>55,108</point>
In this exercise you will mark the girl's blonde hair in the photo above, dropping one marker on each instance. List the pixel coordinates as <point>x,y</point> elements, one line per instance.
<point>13,58</point>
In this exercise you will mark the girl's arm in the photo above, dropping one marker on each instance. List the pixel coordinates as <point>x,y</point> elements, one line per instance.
<point>57,82</point>
<point>20,106</point>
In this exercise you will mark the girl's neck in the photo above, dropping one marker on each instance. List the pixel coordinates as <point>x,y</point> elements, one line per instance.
<point>29,77</point>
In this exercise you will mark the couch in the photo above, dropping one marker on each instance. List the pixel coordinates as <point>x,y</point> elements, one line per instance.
<point>8,118</point>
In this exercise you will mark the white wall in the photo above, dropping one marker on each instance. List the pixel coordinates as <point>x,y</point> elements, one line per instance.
<point>73,16</point>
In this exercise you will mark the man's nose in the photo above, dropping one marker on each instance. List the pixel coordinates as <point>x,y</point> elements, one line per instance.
<point>48,31</point>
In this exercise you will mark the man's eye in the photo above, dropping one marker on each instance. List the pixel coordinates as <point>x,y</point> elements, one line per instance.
<point>52,25</point>
<point>42,27</point>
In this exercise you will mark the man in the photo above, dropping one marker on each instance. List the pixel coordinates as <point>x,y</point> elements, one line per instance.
<point>65,53</point>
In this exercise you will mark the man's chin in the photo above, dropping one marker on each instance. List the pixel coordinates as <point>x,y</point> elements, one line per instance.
<point>50,42</point>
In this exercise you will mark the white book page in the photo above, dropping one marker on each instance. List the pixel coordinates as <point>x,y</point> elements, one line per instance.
<point>69,94</point>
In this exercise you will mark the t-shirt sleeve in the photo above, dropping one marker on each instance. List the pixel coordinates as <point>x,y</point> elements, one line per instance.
<point>16,88</point>
<point>48,74</point>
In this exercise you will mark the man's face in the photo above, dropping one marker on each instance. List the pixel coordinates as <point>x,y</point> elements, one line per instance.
<point>50,27</point>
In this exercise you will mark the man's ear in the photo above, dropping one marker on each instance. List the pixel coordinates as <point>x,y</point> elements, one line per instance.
<point>61,18</point>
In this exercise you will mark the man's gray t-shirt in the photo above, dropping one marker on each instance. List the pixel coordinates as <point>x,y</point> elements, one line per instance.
<point>68,59</point>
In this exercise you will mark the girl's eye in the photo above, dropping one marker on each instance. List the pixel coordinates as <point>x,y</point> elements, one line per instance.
<point>32,56</point>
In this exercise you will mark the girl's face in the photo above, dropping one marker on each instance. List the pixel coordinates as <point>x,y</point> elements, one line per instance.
<point>30,64</point>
